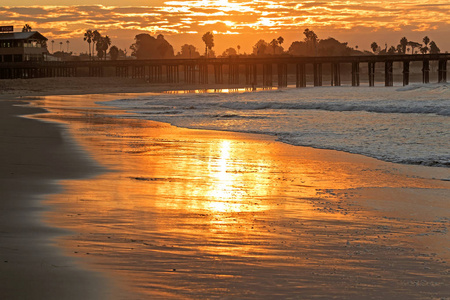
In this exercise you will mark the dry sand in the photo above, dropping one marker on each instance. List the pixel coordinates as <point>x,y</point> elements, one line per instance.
<point>204,214</point>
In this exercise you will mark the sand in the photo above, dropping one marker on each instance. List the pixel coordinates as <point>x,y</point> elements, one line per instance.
<point>162,212</point>
<point>34,156</point>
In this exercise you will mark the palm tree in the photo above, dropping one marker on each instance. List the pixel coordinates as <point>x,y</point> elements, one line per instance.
<point>274,44</point>
<point>96,38</point>
<point>280,40</point>
<point>208,38</point>
<point>374,46</point>
<point>424,49</point>
<point>88,35</point>
<point>26,28</point>
<point>403,44</point>
<point>106,42</point>
<point>413,45</point>
<point>60,46</point>
<point>238,48</point>
<point>67,42</point>
<point>53,42</point>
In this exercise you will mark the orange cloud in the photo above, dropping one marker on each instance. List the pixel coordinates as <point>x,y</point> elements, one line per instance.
<point>234,17</point>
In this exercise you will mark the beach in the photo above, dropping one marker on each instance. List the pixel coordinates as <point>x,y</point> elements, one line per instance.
<point>98,204</point>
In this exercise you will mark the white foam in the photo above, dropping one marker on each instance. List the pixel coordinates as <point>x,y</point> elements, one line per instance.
<point>406,125</point>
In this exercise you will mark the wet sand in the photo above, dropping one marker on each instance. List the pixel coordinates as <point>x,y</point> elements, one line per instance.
<point>35,155</point>
<point>201,214</point>
<point>178,213</point>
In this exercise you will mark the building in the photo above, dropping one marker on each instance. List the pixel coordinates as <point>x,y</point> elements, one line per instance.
<point>22,46</point>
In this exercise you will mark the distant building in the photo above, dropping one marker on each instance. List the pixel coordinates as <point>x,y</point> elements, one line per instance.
<point>22,46</point>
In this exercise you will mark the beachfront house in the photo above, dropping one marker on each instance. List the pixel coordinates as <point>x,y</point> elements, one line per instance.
<point>22,46</point>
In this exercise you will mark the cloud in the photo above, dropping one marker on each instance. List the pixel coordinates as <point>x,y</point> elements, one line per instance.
<point>241,15</point>
<point>233,17</point>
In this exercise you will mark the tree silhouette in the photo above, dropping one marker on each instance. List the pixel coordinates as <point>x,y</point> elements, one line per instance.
<point>414,45</point>
<point>274,44</point>
<point>426,41</point>
<point>189,51</point>
<point>148,47</point>
<point>96,37</point>
<point>391,50</point>
<point>60,46</point>
<point>26,28</point>
<point>374,47</point>
<point>229,52</point>
<point>88,36</point>
<point>114,52</point>
<point>67,42</point>
<point>403,44</point>
<point>238,48</point>
<point>434,48</point>
<point>106,42</point>
<point>325,47</point>
<point>208,39</point>
<point>311,40</point>
<point>260,47</point>
<point>53,42</point>
<point>280,40</point>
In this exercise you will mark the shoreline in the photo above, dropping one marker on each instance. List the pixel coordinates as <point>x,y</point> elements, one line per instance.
<point>208,136</point>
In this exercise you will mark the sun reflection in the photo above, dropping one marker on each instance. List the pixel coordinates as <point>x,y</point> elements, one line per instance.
<point>210,204</point>
<point>224,193</point>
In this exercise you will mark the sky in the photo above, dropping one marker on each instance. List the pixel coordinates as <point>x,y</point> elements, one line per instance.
<point>233,22</point>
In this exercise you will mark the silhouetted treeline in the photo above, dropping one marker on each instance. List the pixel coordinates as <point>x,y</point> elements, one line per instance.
<point>148,47</point>
<point>407,47</point>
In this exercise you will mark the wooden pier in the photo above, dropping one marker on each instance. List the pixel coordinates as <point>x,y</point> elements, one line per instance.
<point>255,70</point>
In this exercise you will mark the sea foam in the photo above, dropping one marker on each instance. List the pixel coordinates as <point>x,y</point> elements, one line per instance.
<point>398,124</point>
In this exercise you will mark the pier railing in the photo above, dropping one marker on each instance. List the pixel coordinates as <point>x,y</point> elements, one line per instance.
<point>255,70</point>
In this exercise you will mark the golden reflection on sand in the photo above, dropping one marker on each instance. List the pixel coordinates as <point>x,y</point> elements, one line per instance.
<point>222,209</point>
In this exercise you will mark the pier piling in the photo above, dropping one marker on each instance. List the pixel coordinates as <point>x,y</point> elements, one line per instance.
<point>267,75</point>
<point>442,71</point>
<point>218,73</point>
<point>388,73</point>
<point>317,74</point>
<point>426,71</point>
<point>405,73</point>
<point>371,72</point>
<point>355,74</point>
<point>300,77</point>
<point>282,75</point>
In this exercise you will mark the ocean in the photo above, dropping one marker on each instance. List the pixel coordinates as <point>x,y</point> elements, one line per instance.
<point>408,125</point>
<point>181,213</point>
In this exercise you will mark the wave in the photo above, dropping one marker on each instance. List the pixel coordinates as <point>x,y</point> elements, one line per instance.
<point>407,125</point>
<point>404,108</point>
<point>413,99</point>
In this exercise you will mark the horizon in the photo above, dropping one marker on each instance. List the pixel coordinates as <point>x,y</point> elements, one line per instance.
<point>233,23</point>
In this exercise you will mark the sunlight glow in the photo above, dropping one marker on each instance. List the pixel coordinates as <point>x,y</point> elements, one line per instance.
<point>231,17</point>
<point>224,194</point>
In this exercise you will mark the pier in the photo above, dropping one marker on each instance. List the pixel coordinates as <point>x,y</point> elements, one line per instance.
<point>249,71</point>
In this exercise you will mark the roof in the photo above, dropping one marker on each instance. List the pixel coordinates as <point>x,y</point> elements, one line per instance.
<point>22,36</point>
